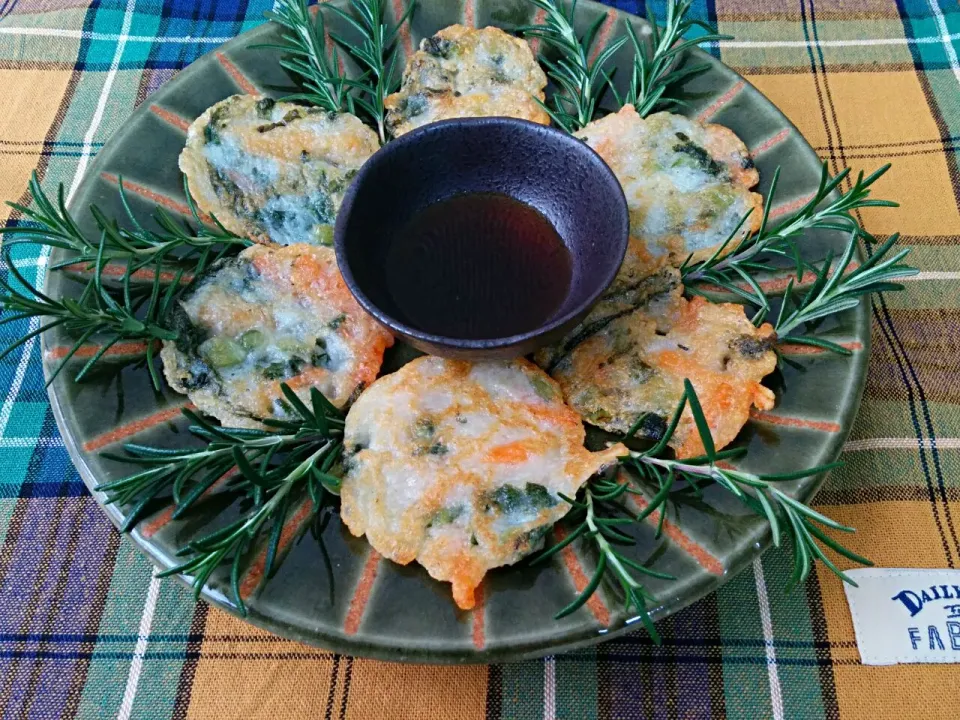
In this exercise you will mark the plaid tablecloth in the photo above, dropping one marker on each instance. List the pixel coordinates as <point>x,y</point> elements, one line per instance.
<point>85,632</point>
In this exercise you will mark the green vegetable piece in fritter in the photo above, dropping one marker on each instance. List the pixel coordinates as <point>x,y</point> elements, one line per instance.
<point>543,388</point>
<point>447,515</point>
<point>251,339</point>
<point>221,352</point>
<point>510,499</point>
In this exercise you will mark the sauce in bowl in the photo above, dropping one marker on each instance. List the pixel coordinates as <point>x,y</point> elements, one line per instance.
<point>478,265</point>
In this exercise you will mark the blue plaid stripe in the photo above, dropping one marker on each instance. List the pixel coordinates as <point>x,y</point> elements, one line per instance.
<point>931,21</point>
<point>168,35</point>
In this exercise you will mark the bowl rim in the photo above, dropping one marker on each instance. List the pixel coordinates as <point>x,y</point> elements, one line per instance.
<point>505,341</point>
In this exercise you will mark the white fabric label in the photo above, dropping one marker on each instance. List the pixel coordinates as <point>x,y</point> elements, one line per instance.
<point>906,616</point>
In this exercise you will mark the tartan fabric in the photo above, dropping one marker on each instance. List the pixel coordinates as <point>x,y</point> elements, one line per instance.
<point>84,630</point>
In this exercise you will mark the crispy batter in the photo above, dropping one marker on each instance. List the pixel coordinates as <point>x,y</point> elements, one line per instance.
<point>466,72</point>
<point>271,314</point>
<point>459,466</point>
<point>624,296</point>
<point>274,171</point>
<point>636,364</point>
<point>687,185</point>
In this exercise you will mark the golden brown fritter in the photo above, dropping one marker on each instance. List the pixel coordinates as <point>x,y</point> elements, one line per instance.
<point>271,314</point>
<point>687,185</point>
<point>458,466</point>
<point>274,171</point>
<point>468,72</point>
<point>635,363</point>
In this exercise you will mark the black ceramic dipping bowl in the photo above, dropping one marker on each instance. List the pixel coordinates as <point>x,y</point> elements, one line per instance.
<point>481,238</point>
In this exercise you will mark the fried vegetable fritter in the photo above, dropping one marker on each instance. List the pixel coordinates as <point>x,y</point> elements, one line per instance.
<point>271,314</point>
<point>632,364</point>
<point>459,466</point>
<point>468,72</point>
<point>274,171</point>
<point>687,185</point>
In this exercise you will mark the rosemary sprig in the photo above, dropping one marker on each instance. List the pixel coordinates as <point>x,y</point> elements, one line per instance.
<point>174,246</point>
<point>108,309</point>
<point>305,45</point>
<point>600,515</point>
<point>652,75</point>
<point>271,469</point>
<point>733,265</point>
<point>582,82</point>
<point>759,492</point>
<point>835,290</point>
<point>597,515</point>
<point>113,315</point>
<point>376,53</point>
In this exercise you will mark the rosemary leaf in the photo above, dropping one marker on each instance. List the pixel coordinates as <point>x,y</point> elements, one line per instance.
<point>599,528</point>
<point>581,80</point>
<point>734,259</point>
<point>600,520</point>
<point>758,492</point>
<point>174,246</point>
<point>375,53</point>
<point>98,312</point>
<point>837,289</point>
<point>653,74</point>
<point>304,45</point>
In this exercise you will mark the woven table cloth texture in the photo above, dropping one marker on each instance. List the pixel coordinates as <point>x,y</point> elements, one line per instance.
<point>85,632</point>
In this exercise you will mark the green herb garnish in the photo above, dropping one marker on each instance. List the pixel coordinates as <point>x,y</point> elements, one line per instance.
<point>600,516</point>
<point>735,264</point>
<point>581,81</point>
<point>271,469</point>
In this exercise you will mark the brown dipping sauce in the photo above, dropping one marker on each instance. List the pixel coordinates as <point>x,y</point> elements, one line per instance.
<point>476,266</point>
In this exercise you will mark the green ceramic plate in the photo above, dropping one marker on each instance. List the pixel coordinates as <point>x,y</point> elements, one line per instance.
<point>379,609</point>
